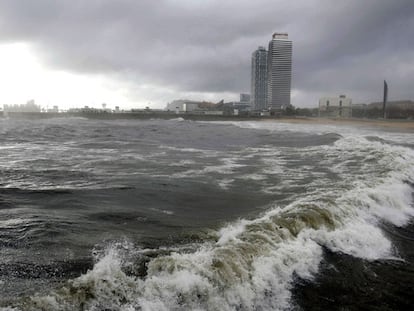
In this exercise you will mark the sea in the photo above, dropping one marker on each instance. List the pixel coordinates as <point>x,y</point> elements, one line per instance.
<point>192,215</point>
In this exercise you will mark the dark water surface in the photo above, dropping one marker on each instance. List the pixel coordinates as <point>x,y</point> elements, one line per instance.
<point>182,215</point>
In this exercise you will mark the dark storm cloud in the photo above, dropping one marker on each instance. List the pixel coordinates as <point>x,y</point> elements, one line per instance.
<point>205,46</point>
<point>357,46</point>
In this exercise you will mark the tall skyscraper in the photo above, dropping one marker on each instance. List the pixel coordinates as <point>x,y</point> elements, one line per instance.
<point>279,71</point>
<point>259,79</point>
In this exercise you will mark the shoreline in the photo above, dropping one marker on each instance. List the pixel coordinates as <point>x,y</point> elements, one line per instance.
<point>394,123</point>
<point>381,123</point>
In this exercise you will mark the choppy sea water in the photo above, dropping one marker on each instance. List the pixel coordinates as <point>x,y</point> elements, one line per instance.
<point>182,215</point>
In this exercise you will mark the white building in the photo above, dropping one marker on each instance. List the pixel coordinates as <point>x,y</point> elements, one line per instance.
<point>279,70</point>
<point>336,107</point>
<point>182,106</point>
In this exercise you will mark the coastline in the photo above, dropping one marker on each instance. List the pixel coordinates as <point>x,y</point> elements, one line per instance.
<point>395,123</point>
<point>380,123</point>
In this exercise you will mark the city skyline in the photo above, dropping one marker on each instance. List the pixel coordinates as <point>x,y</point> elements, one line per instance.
<point>129,54</point>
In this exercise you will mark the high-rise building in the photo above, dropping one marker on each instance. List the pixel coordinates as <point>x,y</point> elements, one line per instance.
<point>279,71</point>
<point>258,95</point>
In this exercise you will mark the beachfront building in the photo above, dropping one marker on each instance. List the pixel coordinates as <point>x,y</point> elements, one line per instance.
<point>335,107</point>
<point>258,98</point>
<point>181,106</point>
<point>279,72</point>
<point>238,107</point>
<point>193,107</point>
<point>29,107</point>
<point>245,98</point>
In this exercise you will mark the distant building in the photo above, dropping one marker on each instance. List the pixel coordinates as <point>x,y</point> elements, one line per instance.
<point>258,86</point>
<point>29,107</point>
<point>335,107</point>
<point>182,105</point>
<point>105,108</point>
<point>192,107</point>
<point>245,98</point>
<point>279,71</point>
<point>54,109</point>
<point>401,104</point>
<point>397,109</point>
<point>176,105</point>
<point>239,106</point>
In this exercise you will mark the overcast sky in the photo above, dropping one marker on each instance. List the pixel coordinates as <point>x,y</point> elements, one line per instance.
<point>136,53</point>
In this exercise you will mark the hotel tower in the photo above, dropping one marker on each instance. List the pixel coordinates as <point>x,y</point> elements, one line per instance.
<point>279,71</point>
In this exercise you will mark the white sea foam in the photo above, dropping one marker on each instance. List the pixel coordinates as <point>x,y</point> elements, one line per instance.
<point>226,166</point>
<point>225,183</point>
<point>256,177</point>
<point>185,162</point>
<point>357,238</point>
<point>205,152</point>
<point>180,119</point>
<point>164,211</point>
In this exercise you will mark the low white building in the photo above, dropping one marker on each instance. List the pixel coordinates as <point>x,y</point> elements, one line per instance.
<point>182,106</point>
<point>335,107</point>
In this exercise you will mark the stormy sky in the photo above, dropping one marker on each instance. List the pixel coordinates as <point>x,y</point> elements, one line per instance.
<point>151,52</point>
